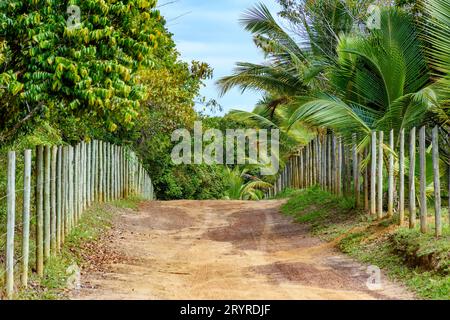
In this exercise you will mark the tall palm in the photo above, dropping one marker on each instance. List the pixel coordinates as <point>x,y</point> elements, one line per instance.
<point>437,29</point>
<point>290,69</point>
<point>264,116</point>
<point>381,82</point>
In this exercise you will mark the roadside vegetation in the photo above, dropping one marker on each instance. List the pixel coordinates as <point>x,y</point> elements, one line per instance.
<point>420,261</point>
<point>84,248</point>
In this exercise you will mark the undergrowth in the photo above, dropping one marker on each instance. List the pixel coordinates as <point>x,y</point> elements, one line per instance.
<point>420,261</point>
<point>94,223</point>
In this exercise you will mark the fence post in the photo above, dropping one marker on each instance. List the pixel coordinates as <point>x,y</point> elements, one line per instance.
<point>340,164</point>
<point>100,172</point>
<point>391,176</point>
<point>59,199</point>
<point>65,212</point>
<point>77,182</point>
<point>380,175</point>
<point>437,184</point>
<point>423,181</point>
<point>356,172</point>
<point>329,164</point>
<point>93,171</point>
<point>26,217</point>
<point>107,171</point>
<point>88,174</point>
<point>366,183</point>
<point>53,200</point>
<point>47,208</point>
<point>373,174</point>
<point>85,177</point>
<point>402,177</point>
<point>319,161</point>
<point>11,217</point>
<point>71,188</point>
<point>412,179</point>
<point>40,211</point>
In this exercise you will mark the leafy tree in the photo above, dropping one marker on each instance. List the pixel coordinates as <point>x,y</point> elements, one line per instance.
<point>87,73</point>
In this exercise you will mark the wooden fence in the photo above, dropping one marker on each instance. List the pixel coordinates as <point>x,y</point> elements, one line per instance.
<point>361,170</point>
<point>67,180</point>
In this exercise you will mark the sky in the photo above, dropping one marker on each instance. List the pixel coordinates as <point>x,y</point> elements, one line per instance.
<point>209,31</point>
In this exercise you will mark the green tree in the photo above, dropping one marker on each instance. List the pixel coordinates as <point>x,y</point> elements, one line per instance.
<point>86,73</point>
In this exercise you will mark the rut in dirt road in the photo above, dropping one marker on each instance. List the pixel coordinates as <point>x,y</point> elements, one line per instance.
<point>225,250</point>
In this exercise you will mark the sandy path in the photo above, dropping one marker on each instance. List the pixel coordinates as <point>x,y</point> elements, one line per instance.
<point>225,250</point>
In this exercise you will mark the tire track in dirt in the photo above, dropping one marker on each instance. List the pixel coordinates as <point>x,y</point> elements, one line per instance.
<point>225,250</point>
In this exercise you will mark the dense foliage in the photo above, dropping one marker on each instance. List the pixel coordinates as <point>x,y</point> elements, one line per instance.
<point>114,75</point>
<point>330,71</point>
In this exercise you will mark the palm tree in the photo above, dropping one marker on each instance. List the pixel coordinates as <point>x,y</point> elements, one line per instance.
<point>264,116</point>
<point>290,70</point>
<point>381,82</point>
<point>437,29</point>
<point>242,186</point>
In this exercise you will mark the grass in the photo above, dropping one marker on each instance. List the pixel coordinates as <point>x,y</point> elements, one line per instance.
<point>420,261</point>
<point>95,222</point>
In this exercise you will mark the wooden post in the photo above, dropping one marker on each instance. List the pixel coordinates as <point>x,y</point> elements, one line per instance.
<point>310,164</point>
<point>423,181</point>
<point>85,177</point>
<point>111,172</point>
<point>390,212</point>
<point>412,179</point>
<point>76,182</point>
<point>110,162</point>
<point>380,176</point>
<point>11,222</point>
<point>329,164</point>
<point>356,172</point>
<point>366,183</point>
<point>65,184</point>
<point>53,200</point>
<point>71,188</point>
<point>59,200</point>
<point>100,173</point>
<point>401,206</point>
<point>319,161</point>
<point>88,174</point>
<point>302,178</point>
<point>307,165</point>
<point>81,179</point>
<point>47,209</point>
<point>373,174</point>
<point>105,171</point>
<point>333,164</point>
<point>93,170</point>
<point>117,172</point>
<point>339,175</point>
<point>26,217</point>
<point>40,211</point>
<point>437,183</point>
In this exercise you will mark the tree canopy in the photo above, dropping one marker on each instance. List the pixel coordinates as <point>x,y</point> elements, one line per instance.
<point>87,71</point>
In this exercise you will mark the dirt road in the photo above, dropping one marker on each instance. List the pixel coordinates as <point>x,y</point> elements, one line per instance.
<point>225,250</point>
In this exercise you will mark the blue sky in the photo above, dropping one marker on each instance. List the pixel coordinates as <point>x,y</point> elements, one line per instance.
<point>209,31</point>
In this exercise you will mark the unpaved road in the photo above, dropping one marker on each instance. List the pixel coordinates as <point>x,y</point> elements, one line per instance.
<point>225,250</point>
